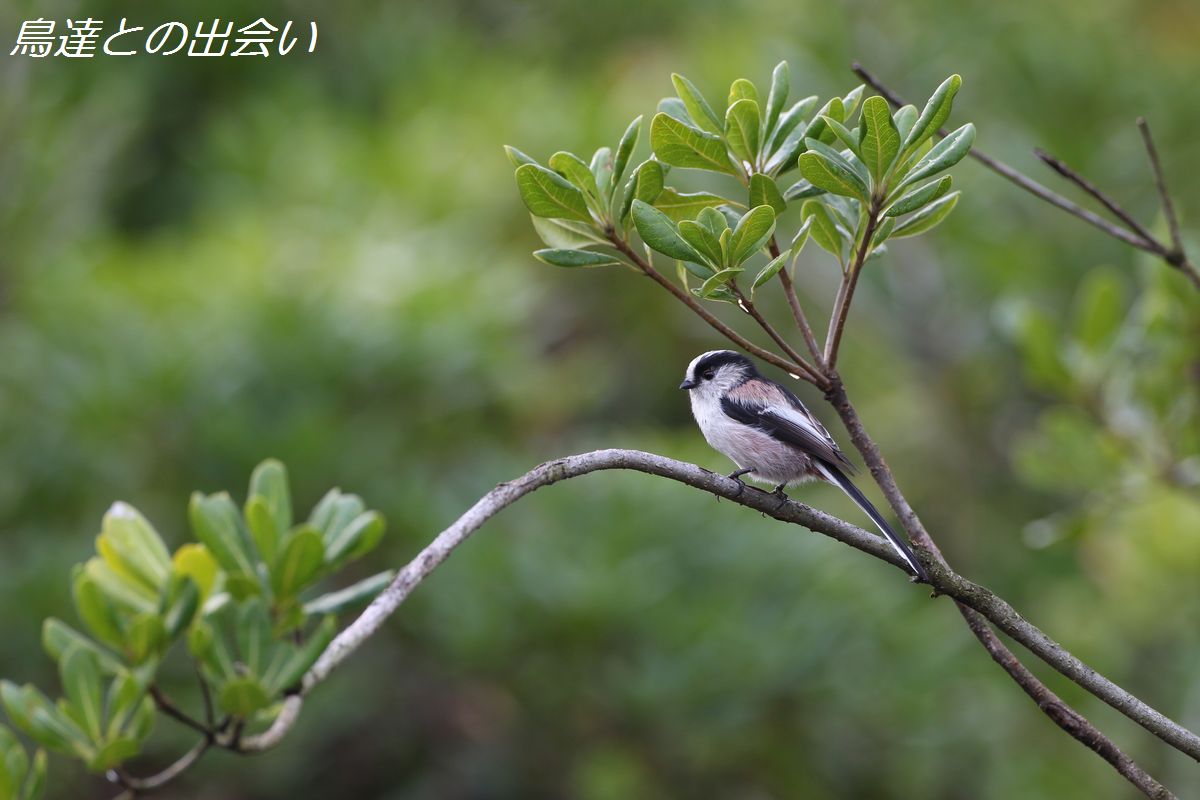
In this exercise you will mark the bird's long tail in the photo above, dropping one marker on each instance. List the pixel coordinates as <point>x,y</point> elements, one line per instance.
<point>838,477</point>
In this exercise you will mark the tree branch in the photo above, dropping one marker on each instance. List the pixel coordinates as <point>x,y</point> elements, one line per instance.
<point>994,608</point>
<point>1176,256</point>
<point>791,368</point>
<point>945,581</point>
<point>841,307</point>
<point>801,320</point>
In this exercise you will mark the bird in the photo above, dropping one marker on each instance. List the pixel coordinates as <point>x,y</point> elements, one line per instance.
<point>771,436</point>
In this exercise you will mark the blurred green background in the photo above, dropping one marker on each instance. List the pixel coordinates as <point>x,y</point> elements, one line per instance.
<point>323,258</point>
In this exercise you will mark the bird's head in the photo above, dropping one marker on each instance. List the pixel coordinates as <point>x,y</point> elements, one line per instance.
<point>714,373</point>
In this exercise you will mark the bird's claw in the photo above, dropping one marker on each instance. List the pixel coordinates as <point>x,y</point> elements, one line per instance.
<point>783,498</point>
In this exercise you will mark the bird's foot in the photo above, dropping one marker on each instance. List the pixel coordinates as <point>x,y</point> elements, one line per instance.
<point>736,475</point>
<point>783,498</point>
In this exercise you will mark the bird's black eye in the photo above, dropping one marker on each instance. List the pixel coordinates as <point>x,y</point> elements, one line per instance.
<point>708,375</point>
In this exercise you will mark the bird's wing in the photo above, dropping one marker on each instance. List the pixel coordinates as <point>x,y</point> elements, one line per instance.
<point>786,421</point>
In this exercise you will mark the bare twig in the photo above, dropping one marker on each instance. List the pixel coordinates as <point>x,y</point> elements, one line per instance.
<point>845,296</point>
<point>135,786</point>
<point>1173,222</point>
<point>729,333</point>
<point>798,315</point>
<point>1060,166</point>
<point>173,711</point>
<point>748,306</point>
<point>1173,256</point>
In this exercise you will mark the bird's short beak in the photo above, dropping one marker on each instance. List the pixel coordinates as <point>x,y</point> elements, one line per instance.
<point>688,384</point>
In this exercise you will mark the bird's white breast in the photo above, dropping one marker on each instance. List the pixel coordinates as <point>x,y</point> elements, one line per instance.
<point>773,461</point>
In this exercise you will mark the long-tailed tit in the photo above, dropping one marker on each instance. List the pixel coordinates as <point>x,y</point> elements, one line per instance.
<point>771,436</point>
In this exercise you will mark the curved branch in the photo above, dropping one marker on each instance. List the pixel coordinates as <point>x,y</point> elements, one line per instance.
<point>945,581</point>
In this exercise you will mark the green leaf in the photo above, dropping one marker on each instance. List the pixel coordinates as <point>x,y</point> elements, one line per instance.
<point>95,609</point>
<point>742,89</point>
<point>353,595</point>
<point>927,218</point>
<point>742,130</point>
<point>562,234</point>
<point>572,167</point>
<point>919,197</point>
<point>802,189</point>
<point>831,175</point>
<point>124,592</point>
<point>680,144</point>
<point>764,192</point>
<point>645,184</point>
<point>194,561</point>
<point>784,158</point>
<point>714,220</point>
<point>790,121</point>
<point>751,233</point>
<point>548,194</point>
<point>905,117</point>
<point>698,109</point>
<point>945,154</point>
<point>776,97</point>
<point>674,107</point>
<point>182,602</point>
<point>366,530</point>
<point>217,524</point>
<point>114,754</point>
<point>253,635</point>
<point>14,764</point>
<point>145,638</point>
<point>241,697</point>
<point>124,694</point>
<point>304,657</point>
<point>936,112</point>
<point>625,149</point>
<point>685,205</point>
<point>851,100</point>
<point>298,563</point>
<point>702,239</point>
<point>769,271</point>
<point>602,172</point>
<point>270,482</point>
<point>209,648</point>
<point>718,281</point>
<point>58,638</point>
<point>847,137</point>
<point>517,157</point>
<point>576,258</point>
<point>35,784</point>
<point>881,140</point>
<point>801,238</point>
<point>824,230</point>
<point>659,233</point>
<point>132,547</point>
<point>81,682</point>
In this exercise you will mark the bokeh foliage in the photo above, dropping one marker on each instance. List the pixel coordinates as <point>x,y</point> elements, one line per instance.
<point>323,259</point>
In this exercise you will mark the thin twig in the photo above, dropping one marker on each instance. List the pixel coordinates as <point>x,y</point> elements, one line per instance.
<point>789,290</point>
<point>748,306</point>
<point>1060,166</point>
<point>175,712</point>
<point>704,314</point>
<point>845,296</point>
<point>1161,182</point>
<point>1025,182</point>
<point>1173,255</point>
<point>148,784</point>
<point>210,719</point>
